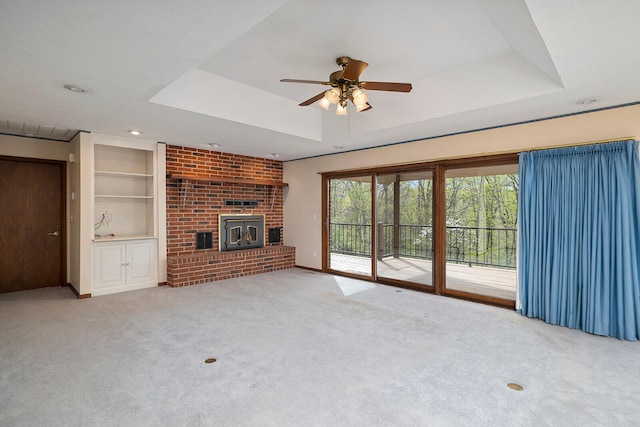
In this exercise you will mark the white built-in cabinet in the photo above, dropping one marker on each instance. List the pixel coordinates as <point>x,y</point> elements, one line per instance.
<point>124,266</point>
<point>125,215</point>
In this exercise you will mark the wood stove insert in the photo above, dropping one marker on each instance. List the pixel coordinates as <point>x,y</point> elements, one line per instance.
<point>240,232</point>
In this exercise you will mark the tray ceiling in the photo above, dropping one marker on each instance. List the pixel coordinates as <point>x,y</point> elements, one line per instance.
<point>207,72</point>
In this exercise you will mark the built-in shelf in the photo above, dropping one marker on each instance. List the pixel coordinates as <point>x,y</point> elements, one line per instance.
<point>124,174</point>
<point>124,244</point>
<point>117,238</point>
<point>124,188</point>
<point>208,178</point>
<point>113,196</point>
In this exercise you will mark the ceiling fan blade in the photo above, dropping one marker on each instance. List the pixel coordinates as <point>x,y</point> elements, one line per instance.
<point>353,69</point>
<point>312,100</point>
<point>388,86</point>
<point>304,81</point>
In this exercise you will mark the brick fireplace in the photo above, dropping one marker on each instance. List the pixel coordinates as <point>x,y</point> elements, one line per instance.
<point>201,186</point>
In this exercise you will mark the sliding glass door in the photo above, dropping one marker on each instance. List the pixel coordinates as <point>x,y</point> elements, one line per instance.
<point>481,218</point>
<point>350,222</point>
<point>448,227</point>
<point>404,226</point>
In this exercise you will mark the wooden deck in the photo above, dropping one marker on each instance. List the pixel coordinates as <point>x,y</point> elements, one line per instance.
<point>490,281</point>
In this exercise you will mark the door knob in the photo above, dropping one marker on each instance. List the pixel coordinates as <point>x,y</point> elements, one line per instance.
<point>54,233</point>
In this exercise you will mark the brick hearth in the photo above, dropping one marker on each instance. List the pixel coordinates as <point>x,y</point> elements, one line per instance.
<point>207,266</point>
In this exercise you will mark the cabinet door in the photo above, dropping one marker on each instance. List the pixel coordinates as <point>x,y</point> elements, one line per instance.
<point>140,262</point>
<point>109,266</point>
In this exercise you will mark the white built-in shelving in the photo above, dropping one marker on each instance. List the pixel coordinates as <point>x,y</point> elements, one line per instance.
<point>124,191</point>
<point>125,211</point>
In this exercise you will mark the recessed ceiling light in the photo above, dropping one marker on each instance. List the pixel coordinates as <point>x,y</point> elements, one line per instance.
<point>276,155</point>
<point>135,132</point>
<point>74,88</point>
<point>214,145</point>
<point>338,147</point>
<point>586,101</point>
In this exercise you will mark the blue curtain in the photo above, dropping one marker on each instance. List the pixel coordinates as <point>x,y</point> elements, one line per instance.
<point>579,228</point>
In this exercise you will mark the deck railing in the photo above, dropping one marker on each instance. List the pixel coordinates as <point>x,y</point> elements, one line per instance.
<point>464,245</point>
<point>350,239</point>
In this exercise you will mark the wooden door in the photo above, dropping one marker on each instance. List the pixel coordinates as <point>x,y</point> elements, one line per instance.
<point>32,233</point>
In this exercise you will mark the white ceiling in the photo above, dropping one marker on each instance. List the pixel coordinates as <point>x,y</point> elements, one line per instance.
<point>208,71</point>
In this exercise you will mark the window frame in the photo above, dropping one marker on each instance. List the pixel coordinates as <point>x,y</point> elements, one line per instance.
<point>439,168</point>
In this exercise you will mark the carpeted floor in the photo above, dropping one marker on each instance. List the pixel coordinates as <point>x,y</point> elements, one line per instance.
<point>297,348</point>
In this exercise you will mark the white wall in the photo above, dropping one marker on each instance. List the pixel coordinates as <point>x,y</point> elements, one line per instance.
<point>33,148</point>
<point>303,198</point>
<point>162,212</point>
<point>80,186</point>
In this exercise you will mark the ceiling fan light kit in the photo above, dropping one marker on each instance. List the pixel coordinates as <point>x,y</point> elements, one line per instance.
<point>363,107</point>
<point>359,97</point>
<point>346,87</point>
<point>332,95</point>
<point>324,104</point>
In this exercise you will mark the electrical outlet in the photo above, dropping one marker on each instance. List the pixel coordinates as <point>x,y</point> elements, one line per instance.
<point>314,253</point>
<point>107,217</point>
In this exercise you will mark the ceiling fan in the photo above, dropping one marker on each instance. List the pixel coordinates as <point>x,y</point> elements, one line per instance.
<point>345,86</point>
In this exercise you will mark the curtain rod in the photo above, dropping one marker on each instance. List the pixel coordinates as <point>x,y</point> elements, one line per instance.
<point>599,141</point>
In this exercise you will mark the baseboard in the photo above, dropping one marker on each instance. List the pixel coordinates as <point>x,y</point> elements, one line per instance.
<point>123,288</point>
<point>317,270</point>
<point>78,295</point>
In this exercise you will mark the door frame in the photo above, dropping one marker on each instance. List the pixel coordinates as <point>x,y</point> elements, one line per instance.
<point>326,225</point>
<point>439,221</point>
<point>433,288</point>
<point>62,280</point>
